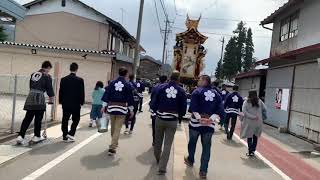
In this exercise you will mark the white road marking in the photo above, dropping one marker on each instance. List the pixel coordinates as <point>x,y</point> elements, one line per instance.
<point>36,174</point>
<point>265,160</point>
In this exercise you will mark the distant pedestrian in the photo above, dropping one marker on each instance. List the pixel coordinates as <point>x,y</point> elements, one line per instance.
<point>224,92</point>
<point>206,106</point>
<point>35,105</point>
<point>140,88</point>
<point>162,80</point>
<point>131,121</point>
<point>71,97</point>
<point>254,113</point>
<point>96,113</point>
<point>119,101</point>
<point>233,107</point>
<point>169,103</point>
<point>215,86</point>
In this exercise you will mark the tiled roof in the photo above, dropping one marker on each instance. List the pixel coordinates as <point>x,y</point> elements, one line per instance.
<point>280,10</point>
<point>108,19</point>
<point>252,73</point>
<point>56,48</point>
<point>292,54</point>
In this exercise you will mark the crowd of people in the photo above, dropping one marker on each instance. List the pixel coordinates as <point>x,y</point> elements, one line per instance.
<point>122,98</point>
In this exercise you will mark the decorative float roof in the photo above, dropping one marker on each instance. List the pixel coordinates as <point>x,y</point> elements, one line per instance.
<point>192,35</point>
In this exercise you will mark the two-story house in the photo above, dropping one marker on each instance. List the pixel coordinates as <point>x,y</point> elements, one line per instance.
<point>293,83</point>
<point>65,31</point>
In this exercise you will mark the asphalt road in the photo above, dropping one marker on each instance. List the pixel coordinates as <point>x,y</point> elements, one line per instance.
<point>87,158</point>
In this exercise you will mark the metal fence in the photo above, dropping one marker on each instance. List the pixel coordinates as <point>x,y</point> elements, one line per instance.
<point>13,93</point>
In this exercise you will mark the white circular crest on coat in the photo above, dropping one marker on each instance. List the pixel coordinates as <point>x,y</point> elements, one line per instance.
<point>171,92</point>
<point>118,86</point>
<point>36,76</point>
<point>209,95</point>
<point>235,98</point>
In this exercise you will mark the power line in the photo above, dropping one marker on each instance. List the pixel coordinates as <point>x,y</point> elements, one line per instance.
<point>221,34</point>
<point>157,14</point>
<point>221,19</point>
<point>164,9</point>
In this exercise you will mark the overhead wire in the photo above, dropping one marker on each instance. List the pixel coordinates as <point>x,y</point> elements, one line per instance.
<point>158,19</point>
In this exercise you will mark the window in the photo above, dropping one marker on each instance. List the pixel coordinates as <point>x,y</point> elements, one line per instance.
<point>121,47</point>
<point>289,27</point>
<point>63,3</point>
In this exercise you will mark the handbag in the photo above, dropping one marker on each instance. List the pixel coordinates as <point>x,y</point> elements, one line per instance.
<point>103,123</point>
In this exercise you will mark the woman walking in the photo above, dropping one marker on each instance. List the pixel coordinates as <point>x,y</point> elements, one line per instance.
<point>254,112</point>
<point>96,104</point>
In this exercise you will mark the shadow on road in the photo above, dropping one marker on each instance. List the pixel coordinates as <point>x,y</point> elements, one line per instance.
<point>147,157</point>
<point>100,161</point>
<point>47,148</point>
<point>152,174</point>
<point>254,163</point>
<point>232,143</point>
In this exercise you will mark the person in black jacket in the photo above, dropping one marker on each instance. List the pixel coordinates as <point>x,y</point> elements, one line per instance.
<point>35,105</point>
<point>71,96</point>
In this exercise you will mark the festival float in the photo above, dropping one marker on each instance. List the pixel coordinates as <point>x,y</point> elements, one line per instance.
<point>189,53</point>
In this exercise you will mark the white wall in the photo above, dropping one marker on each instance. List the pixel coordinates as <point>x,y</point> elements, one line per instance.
<point>73,7</point>
<point>308,26</point>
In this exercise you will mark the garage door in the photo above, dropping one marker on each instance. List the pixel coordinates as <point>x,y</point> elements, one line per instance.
<point>305,107</point>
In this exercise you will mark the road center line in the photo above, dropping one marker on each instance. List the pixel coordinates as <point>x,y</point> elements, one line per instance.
<point>36,174</point>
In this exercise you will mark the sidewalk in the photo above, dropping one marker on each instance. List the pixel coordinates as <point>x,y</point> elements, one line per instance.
<point>289,163</point>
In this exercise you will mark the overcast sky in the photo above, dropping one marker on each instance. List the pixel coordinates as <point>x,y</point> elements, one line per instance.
<point>219,19</point>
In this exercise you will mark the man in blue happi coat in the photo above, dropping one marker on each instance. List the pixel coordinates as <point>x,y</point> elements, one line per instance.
<point>169,103</point>
<point>233,107</point>
<point>206,106</point>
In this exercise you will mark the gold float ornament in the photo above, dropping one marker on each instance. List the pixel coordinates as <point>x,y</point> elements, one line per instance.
<point>189,51</point>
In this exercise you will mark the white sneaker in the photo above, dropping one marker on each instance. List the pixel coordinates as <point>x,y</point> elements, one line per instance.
<point>94,124</point>
<point>20,140</point>
<point>130,132</point>
<point>37,139</point>
<point>126,131</point>
<point>71,138</point>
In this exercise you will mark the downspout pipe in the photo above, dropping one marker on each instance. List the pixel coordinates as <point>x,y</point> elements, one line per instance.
<point>266,27</point>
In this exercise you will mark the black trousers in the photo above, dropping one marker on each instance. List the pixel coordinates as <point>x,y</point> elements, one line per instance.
<point>233,118</point>
<point>252,144</point>
<point>38,116</point>
<point>153,118</point>
<point>67,113</point>
<point>132,121</point>
<point>140,103</point>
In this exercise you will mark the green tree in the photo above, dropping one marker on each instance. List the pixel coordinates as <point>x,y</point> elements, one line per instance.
<point>248,60</point>
<point>229,60</point>
<point>3,35</point>
<point>241,33</point>
<point>218,72</point>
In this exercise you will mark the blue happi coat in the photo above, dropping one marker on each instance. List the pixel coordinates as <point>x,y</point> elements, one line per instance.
<point>118,97</point>
<point>153,92</point>
<point>140,88</point>
<point>169,101</point>
<point>135,91</point>
<point>224,93</point>
<point>233,103</point>
<point>205,103</point>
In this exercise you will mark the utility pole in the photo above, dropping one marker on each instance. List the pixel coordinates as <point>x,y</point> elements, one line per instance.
<point>122,12</point>
<point>137,48</point>
<point>165,41</point>
<point>166,34</point>
<point>222,49</point>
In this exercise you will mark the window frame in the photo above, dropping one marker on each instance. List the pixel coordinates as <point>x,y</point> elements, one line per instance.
<point>288,21</point>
